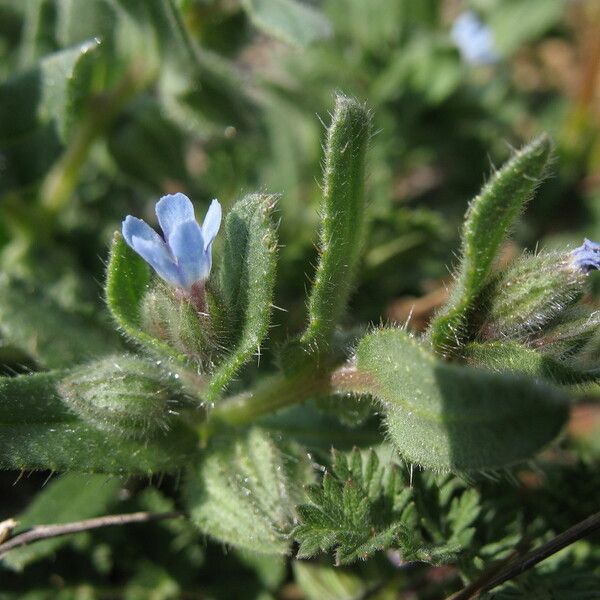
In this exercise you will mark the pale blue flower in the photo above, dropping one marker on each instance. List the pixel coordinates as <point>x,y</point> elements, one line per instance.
<point>587,257</point>
<point>474,40</point>
<point>184,256</point>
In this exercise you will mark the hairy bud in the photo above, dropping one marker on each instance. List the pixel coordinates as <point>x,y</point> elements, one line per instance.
<point>123,394</point>
<point>532,292</point>
<point>180,320</point>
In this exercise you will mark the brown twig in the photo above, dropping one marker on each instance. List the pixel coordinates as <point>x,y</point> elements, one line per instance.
<point>42,532</point>
<point>531,559</point>
<point>477,585</point>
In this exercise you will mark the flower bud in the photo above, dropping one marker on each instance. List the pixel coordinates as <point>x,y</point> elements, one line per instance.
<point>180,321</point>
<point>530,293</point>
<point>123,394</point>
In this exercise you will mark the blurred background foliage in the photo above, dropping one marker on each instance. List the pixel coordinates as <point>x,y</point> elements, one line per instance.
<point>105,105</point>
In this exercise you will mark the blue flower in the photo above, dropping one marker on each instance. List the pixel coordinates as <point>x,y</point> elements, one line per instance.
<point>184,256</point>
<point>587,257</point>
<point>474,40</point>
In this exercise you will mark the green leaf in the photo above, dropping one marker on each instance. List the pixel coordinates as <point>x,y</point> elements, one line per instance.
<point>245,491</point>
<point>127,281</point>
<point>361,508</point>
<point>69,498</point>
<point>515,23</point>
<point>322,582</point>
<point>39,431</point>
<point>448,417</point>
<point>247,278</point>
<point>54,335</point>
<point>487,223</point>
<point>463,512</point>
<point>343,214</point>
<point>513,357</point>
<point>37,110</point>
<point>288,20</point>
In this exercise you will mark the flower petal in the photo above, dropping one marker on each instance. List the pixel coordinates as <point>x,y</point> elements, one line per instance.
<point>187,244</point>
<point>172,210</point>
<point>211,224</point>
<point>152,248</point>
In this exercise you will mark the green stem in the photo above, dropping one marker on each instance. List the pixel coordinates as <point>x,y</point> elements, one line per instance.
<point>274,393</point>
<point>62,179</point>
<point>279,391</point>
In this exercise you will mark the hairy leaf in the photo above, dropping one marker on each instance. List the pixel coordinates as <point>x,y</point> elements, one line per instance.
<point>360,508</point>
<point>39,431</point>
<point>247,279</point>
<point>127,281</point>
<point>451,417</point>
<point>245,491</point>
<point>343,214</point>
<point>487,222</point>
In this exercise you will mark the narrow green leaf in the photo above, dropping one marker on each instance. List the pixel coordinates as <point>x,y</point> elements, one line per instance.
<point>34,321</point>
<point>487,223</point>
<point>513,357</point>
<point>450,417</point>
<point>69,498</point>
<point>247,278</point>
<point>39,431</point>
<point>127,281</point>
<point>288,20</point>
<point>245,491</point>
<point>343,213</point>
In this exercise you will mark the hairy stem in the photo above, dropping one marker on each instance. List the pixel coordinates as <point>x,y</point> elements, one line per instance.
<point>279,391</point>
<point>62,178</point>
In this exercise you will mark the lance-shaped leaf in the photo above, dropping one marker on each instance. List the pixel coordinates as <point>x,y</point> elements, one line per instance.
<point>127,281</point>
<point>247,278</point>
<point>39,431</point>
<point>289,20</point>
<point>245,491</point>
<point>487,223</point>
<point>451,417</point>
<point>343,214</point>
<point>511,356</point>
<point>69,498</point>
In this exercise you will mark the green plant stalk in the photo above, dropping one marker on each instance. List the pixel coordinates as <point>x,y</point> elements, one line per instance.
<point>343,210</point>
<point>274,393</point>
<point>62,178</point>
<point>279,391</point>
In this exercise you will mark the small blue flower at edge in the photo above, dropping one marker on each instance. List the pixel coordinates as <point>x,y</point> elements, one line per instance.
<point>587,257</point>
<point>474,40</point>
<point>184,256</point>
